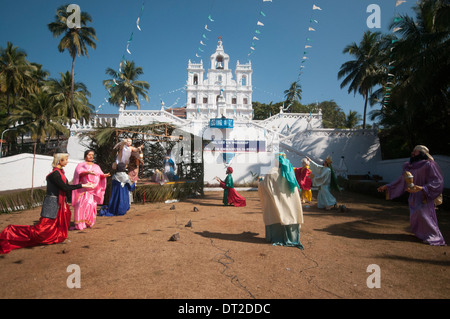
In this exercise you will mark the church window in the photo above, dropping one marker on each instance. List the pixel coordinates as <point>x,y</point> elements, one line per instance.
<point>195,79</point>
<point>205,100</point>
<point>193,101</point>
<point>244,80</point>
<point>233,100</point>
<point>219,78</point>
<point>245,100</point>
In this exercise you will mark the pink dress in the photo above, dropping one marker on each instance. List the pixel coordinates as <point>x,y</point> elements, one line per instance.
<point>85,200</point>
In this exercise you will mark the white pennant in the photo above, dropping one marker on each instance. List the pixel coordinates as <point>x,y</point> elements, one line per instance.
<point>137,24</point>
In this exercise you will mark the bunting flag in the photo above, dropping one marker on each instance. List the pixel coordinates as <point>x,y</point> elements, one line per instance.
<point>123,60</point>
<point>208,28</point>
<point>260,23</point>
<point>313,22</point>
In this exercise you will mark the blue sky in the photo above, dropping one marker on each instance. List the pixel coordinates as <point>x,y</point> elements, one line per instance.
<point>171,31</point>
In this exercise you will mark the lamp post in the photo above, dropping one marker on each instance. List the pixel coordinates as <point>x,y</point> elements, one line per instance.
<point>1,140</point>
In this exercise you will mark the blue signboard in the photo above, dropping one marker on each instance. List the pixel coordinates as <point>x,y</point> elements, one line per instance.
<point>221,123</point>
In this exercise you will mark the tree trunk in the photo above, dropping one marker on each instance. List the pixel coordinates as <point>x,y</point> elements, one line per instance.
<point>32,170</point>
<point>365,110</point>
<point>72,87</point>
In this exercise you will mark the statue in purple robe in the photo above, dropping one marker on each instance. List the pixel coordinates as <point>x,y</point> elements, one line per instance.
<point>426,186</point>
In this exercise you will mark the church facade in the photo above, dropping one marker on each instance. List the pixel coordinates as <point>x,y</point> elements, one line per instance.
<point>216,93</point>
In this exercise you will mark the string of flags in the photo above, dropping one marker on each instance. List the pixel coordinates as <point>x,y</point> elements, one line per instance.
<point>128,51</point>
<point>260,23</point>
<point>180,89</point>
<point>313,22</point>
<point>391,66</point>
<point>204,38</point>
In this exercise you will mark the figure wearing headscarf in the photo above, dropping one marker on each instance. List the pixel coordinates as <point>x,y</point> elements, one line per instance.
<point>422,178</point>
<point>170,169</point>
<point>325,179</point>
<point>303,175</point>
<point>230,196</point>
<point>282,208</point>
<point>122,185</point>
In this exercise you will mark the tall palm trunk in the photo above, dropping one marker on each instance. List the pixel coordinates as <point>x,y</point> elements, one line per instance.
<point>365,110</point>
<point>72,87</point>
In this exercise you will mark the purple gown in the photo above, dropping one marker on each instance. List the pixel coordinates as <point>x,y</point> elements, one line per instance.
<point>422,211</point>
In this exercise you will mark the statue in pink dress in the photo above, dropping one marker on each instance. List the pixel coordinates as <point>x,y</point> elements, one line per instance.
<point>85,201</point>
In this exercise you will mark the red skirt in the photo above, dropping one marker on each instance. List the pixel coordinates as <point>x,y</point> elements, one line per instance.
<point>235,199</point>
<point>47,231</point>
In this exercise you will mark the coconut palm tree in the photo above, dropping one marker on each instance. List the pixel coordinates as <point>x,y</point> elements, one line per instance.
<point>38,114</point>
<point>61,90</point>
<point>362,74</point>
<point>14,71</point>
<point>419,108</point>
<point>124,87</point>
<point>352,119</point>
<point>75,40</point>
<point>294,93</point>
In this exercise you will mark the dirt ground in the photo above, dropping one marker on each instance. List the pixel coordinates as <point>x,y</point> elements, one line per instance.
<point>224,255</point>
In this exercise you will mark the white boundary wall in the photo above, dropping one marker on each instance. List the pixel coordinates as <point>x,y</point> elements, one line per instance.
<point>391,169</point>
<point>16,171</point>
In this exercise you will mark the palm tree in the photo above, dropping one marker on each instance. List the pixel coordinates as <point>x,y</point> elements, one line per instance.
<point>362,74</point>
<point>352,119</point>
<point>419,108</point>
<point>124,87</point>
<point>38,114</point>
<point>75,40</point>
<point>61,90</point>
<point>294,93</point>
<point>14,71</point>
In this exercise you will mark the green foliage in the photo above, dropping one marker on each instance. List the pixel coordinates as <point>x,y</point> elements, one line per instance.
<point>125,86</point>
<point>411,69</point>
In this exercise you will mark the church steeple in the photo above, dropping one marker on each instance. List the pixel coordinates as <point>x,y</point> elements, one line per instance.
<point>219,59</point>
